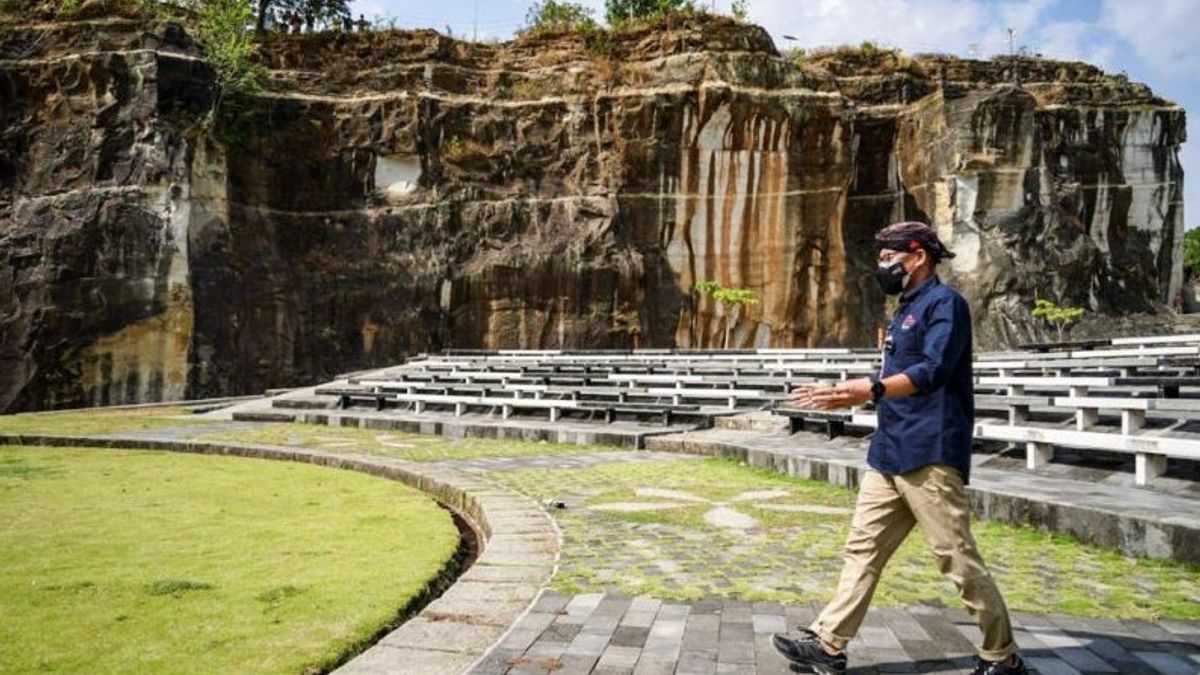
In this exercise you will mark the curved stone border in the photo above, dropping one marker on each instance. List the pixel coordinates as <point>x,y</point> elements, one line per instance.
<point>519,544</point>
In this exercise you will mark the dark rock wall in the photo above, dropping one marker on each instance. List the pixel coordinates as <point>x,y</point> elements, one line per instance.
<point>401,192</point>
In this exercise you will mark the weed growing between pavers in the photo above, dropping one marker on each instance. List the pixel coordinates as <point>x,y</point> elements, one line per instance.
<point>410,447</point>
<point>98,422</point>
<point>144,562</point>
<point>664,528</point>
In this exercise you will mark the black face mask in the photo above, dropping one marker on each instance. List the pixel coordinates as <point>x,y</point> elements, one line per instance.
<point>892,278</point>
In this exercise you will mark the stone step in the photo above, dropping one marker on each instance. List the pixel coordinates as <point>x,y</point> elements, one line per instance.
<point>621,433</point>
<point>263,416</point>
<point>760,420</point>
<point>305,403</point>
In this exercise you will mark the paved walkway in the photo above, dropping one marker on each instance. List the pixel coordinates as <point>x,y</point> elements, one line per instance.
<point>613,634</point>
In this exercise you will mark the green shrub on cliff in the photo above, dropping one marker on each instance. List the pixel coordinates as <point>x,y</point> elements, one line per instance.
<point>1191,252</point>
<point>622,11</point>
<point>1061,318</point>
<point>225,29</point>
<point>552,15</point>
<point>229,44</point>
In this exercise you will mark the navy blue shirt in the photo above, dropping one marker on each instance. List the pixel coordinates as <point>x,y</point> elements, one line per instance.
<point>930,338</point>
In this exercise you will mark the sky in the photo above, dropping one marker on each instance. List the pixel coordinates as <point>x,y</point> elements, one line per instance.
<point>1153,42</point>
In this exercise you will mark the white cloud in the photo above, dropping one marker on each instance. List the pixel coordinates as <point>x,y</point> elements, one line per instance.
<point>1076,41</point>
<point>959,26</point>
<point>1162,34</point>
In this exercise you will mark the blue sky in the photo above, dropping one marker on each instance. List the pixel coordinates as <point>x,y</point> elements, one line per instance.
<point>1153,42</point>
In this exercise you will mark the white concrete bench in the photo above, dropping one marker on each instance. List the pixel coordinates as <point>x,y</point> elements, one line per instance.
<point>730,396</point>
<point>1150,452</point>
<point>1077,386</point>
<point>1087,409</point>
<point>1060,367</point>
<point>1133,410</point>
<point>1017,406</point>
<point>1158,340</point>
<point>1140,351</point>
<point>677,380</point>
<point>506,405</point>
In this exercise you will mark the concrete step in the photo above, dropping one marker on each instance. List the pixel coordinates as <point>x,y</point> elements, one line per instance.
<point>760,420</point>
<point>305,403</point>
<point>622,433</point>
<point>263,416</point>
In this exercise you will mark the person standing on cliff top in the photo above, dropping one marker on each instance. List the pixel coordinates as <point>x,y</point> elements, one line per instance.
<point>919,459</point>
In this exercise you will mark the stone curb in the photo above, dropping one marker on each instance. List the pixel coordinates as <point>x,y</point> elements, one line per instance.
<point>519,543</point>
<point>1134,534</point>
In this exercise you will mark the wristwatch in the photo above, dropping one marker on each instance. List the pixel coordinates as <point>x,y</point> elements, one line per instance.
<point>877,389</point>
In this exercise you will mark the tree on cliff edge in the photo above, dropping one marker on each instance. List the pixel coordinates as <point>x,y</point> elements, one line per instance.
<point>1191,253</point>
<point>617,11</point>
<point>315,11</point>
<point>554,15</point>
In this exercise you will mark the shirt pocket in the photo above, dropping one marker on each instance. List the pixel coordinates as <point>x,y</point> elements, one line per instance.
<point>910,344</point>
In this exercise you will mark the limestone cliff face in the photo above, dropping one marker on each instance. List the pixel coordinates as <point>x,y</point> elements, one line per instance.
<point>400,192</point>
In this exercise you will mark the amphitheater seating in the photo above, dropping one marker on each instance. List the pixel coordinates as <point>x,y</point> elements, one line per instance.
<point>1041,396</point>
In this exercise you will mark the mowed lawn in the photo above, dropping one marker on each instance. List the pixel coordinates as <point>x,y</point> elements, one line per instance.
<point>130,561</point>
<point>99,421</point>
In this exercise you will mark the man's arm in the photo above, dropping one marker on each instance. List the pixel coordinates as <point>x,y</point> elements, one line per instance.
<point>850,393</point>
<point>944,343</point>
<point>945,340</point>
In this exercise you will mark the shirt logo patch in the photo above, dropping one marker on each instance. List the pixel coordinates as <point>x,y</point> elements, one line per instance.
<point>909,322</point>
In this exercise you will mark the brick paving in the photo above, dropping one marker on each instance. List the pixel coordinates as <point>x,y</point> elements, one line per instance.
<point>608,634</point>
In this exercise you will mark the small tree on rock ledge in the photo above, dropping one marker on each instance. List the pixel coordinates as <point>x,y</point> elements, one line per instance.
<point>558,15</point>
<point>1062,318</point>
<point>732,299</point>
<point>618,11</point>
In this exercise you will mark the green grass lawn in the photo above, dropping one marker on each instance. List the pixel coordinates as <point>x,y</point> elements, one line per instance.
<point>130,561</point>
<point>98,422</point>
<point>663,545</point>
<point>411,447</point>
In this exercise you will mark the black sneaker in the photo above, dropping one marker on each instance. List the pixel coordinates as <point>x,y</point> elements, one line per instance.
<point>808,655</point>
<point>998,668</point>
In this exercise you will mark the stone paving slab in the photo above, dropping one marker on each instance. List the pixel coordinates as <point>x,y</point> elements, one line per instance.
<point>717,635</point>
<point>385,660</point>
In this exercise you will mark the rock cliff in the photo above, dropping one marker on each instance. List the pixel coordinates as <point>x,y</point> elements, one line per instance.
<point>397,192</point>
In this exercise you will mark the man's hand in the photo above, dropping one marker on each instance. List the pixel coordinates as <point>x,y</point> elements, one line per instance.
<point>832,397</point>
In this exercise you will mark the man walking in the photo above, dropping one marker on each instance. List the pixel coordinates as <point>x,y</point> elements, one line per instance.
<point>919,459</point>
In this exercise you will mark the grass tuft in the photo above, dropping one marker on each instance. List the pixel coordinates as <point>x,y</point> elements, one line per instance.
<point>177,587</point>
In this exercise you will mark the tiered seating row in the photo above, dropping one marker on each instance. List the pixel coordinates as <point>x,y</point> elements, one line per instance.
<point>1135,380</point>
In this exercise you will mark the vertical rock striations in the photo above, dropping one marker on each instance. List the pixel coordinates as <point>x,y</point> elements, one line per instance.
<point>399,192</point>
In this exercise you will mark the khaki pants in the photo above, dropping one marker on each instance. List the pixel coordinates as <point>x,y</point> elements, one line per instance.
<point>887,509</point>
